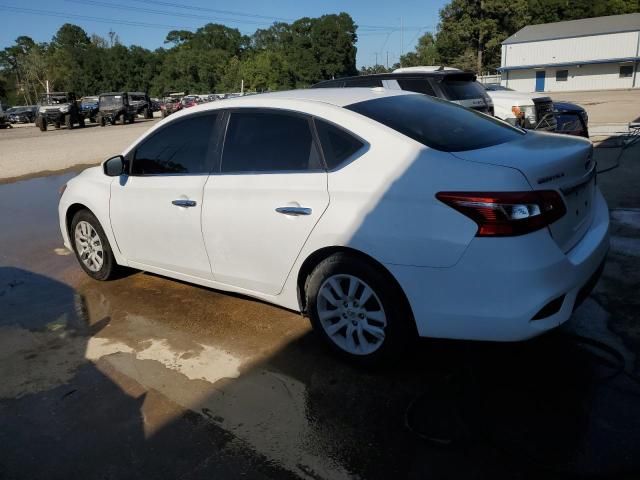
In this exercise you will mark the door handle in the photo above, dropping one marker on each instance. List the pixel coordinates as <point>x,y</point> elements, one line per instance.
<point>184,203</point>
<point>294,211</point>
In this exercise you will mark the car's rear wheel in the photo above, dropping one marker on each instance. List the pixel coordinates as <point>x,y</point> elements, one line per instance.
<point>357,308</point>
<point>42,124</point>
<point>92,247</point>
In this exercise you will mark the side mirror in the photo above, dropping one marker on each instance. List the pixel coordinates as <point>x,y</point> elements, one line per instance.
<point>114,167</point>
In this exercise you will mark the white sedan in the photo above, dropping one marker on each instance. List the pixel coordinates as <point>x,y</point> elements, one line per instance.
<point>380,214</point>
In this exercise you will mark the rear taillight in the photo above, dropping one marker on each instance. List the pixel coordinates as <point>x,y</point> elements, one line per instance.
<point>505,214</point>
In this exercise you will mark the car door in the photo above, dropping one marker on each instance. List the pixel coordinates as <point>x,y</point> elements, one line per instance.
<point>155,210</point>
<point>269,193</point>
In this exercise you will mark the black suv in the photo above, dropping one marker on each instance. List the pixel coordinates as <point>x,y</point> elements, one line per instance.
<point>114,107</point>
<point>142,103</point>
<point>453,85</point>
<point>58,108</point>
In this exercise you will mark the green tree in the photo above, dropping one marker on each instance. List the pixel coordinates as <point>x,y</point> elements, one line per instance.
<point>426,53</point>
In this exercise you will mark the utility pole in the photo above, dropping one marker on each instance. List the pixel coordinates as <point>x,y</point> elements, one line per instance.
<point>376,59</point>
<point>112,34</point>
<point>401,41</point>
<point>387,59</point>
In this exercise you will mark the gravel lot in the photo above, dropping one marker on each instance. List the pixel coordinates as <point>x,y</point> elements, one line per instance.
<point>25,150</point>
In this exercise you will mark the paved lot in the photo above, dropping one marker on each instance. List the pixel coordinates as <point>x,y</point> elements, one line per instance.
<point>25,150</point>
<point>146,377</point>
<point>605,106</point>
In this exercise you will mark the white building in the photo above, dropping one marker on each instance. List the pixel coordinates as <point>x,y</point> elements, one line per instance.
<point>589,54</point>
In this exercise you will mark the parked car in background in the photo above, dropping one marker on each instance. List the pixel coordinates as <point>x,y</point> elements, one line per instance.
<point>3,119</point>
<point>571,119</point>
<point>24,114</point>
<point>156,104</point>
<point>58,108</point>
<point>382,214</point>
<point>525,110</point>
<point>114,107</point>
<point>441,82</point>
<point>190,101</point>
<point>142,103</point>
<point>89,108</point>
<point>170,104</point>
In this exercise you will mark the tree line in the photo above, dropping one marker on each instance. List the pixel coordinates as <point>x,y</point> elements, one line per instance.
<point>470,32</point>
<point>214,58</point>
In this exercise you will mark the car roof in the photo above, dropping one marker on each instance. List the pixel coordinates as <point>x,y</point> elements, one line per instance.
<point>107,94</point>
<point>339,97</point>
<point>408,74</point>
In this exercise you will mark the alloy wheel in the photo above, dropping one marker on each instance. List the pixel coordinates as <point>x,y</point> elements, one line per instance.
<point>351,314</point>
<point>89,246</point>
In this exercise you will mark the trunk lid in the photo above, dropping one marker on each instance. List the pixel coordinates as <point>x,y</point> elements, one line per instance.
<point>551,162</point>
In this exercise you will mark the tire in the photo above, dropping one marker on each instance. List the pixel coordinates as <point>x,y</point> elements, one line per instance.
<point>58,125</point>
<point>100,264</point>
<point>68,122</point>
<point>379,328</point>
<point>101,121</point>
<point>132,118</point>
<point>81,122</point>
<point>42,124</point>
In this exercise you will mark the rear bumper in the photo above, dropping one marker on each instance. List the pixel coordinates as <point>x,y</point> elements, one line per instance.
<point>500,284</point>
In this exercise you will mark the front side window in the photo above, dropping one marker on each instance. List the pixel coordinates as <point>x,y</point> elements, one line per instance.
<point>269,141</point>
<point>418,85</point>
<point>337,145</point>
<point>437,123</point>
<point>562,75</point>
<point>626,71</point>
<point>182,147</point>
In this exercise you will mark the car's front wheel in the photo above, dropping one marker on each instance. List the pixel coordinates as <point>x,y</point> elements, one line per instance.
<point>92,247</point>
<point>357,308</point>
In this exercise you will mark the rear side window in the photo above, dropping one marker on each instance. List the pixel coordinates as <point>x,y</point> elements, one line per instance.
<point>418,85</point>
<point>437,123</point>
<point>337,145</point>
<point>459,89</point>
<point>180,147</point>
<point>264,141</point>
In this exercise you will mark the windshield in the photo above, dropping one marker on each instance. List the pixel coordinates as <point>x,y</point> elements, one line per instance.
<point>437,123</point>
<point>462,89</point>
<point>111,101</point>
<point>53,99</point>
<point>87,100</point>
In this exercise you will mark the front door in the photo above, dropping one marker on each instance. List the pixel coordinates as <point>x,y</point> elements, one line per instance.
<point>155,211</point>
<point>540,76</point>
<point>261,207</point>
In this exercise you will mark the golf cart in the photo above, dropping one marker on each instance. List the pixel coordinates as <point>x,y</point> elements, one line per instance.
<point>142,104</point>
<point>114,107</point>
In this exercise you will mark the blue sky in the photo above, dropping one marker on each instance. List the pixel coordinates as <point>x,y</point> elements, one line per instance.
<point>379,20</point>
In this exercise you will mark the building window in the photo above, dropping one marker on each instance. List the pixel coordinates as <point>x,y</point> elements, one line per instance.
<point>562,75</point>
<point>626,71</point>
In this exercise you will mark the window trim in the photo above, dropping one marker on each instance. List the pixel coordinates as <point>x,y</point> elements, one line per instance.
<point>294,113</point>
<point>351,158</point>
<point>213,149</point>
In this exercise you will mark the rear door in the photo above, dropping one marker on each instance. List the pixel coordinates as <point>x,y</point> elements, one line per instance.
<point>270,192</point>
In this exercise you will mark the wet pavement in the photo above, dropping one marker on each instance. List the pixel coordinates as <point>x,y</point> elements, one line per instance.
<point>147,377</point>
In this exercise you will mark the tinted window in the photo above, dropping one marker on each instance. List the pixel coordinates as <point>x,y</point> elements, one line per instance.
<point>418,85</point>
<point>180,147</point>
<point>462,89</point>
<point>364,82</point>
<point>337,145</point>
<point>562,75</point>
<point>626,71</point>
<point>269,142</point>
<point>437,123</point>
